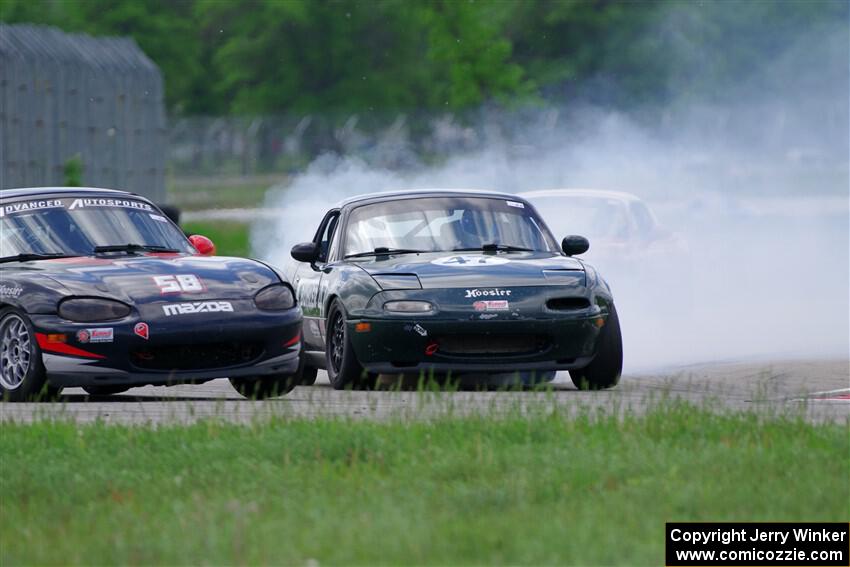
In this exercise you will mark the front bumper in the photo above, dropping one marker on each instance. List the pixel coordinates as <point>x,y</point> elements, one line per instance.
<point>243,343</point>
<point>401,346</point>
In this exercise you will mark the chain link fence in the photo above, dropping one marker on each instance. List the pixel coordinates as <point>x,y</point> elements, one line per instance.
<point>287,143</point>
<point>73,101</point>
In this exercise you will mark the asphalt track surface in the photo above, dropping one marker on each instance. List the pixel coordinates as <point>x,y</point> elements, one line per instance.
<point>816,390</point>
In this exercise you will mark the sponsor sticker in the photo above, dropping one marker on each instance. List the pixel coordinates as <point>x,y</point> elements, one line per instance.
<point>496,292</point>
<point>142,330</point>
<point>10,291</point>
<point>102,335</point>
<point>121,203</point>
<point>29,206</point>
<point>487,316</point>
<point>158,218</point>
<point>182,283</point>
<point>197,307</point>
<point>470,261</point>
<point>420,330</point>
<point>491,305</point>
<point>515,204</point>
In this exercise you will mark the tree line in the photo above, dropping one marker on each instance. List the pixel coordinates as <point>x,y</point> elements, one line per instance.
<point>302,56</point>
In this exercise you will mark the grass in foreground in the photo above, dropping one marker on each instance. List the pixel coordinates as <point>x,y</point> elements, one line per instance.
<point>231,238</point>
<point>543,489</point>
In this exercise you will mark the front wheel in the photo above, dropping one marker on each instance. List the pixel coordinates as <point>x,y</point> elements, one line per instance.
<point>344,370</point>
<point>22,375</point>
<point>607,366</point>
<point>263,387</point>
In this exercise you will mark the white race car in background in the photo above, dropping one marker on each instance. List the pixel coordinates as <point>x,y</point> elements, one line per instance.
<point>638,256</point>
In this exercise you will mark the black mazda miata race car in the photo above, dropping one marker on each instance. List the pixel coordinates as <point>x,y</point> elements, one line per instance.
<point>466,284</point>
<point>99,289</point>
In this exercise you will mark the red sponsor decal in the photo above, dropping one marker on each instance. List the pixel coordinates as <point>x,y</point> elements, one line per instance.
<point>142,330</point>
<point>63,348</point>
<point>83,336</point>
<point>491,305</point>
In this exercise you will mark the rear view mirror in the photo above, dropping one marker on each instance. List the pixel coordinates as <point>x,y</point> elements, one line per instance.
<point>203,245</point>
<point>305,252</point>
<point>574,245</point>
<point>171,212</point>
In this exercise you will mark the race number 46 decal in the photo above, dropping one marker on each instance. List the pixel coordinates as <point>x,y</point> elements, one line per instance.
<point>182,283</point>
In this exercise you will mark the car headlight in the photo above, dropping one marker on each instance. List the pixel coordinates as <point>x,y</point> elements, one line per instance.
<point>274,298</point>
<point>409,307</point>
<point>90,310</point>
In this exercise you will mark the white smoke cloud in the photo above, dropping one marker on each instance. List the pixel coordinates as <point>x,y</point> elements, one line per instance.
<point>757,187</point>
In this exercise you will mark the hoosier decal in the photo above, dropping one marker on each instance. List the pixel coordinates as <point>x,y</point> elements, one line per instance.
<point>475,293</point>
<point>10,291</point>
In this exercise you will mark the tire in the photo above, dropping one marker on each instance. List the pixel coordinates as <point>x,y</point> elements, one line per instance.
<point>606,367</point>
<point>305,375</point>
<point>344,370</point>
<point>105,390</point>
<point>22,374</point>
<point>263,387</point>
<point>308,375</point>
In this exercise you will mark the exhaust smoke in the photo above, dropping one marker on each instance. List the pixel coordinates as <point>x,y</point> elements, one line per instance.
<point>755,182</point>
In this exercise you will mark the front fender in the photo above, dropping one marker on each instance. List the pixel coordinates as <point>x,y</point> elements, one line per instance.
<point>354,287</point>
<point>34,295</point>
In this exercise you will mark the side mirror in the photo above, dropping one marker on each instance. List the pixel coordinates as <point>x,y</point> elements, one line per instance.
<point>574,245</point>
<point>305,252</point>
<point>203,245</point>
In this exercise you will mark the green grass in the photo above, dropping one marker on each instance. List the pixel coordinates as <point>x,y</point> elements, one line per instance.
<point>231,238</point>
<point>540,489</point>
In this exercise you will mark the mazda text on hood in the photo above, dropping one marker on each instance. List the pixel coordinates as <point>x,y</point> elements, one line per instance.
<point>466,285</point>
<point>99,289</point>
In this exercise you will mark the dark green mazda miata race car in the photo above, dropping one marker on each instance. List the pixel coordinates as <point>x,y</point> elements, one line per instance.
<point>469,286</point>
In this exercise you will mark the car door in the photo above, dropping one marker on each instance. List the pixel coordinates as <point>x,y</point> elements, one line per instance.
<point>309,283</point>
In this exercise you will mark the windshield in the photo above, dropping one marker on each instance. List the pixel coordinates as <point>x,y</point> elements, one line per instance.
<point>439,224</point>
<point>74,227</point>
<point>592,217</point>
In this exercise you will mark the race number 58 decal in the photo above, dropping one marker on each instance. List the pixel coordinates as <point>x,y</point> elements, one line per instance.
<point>183,283</point>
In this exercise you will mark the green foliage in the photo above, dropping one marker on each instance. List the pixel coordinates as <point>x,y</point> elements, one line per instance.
<point>539,489</point>
<point>73,172</point>
<point>265,56</point>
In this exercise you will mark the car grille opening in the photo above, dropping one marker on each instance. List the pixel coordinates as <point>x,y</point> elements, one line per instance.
<point>492,345</point>
<point>196,357</point>
<point>568,303</point>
